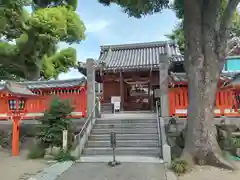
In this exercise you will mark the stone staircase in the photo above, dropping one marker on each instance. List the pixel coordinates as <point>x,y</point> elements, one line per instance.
<point>136,136</point>
<point>107,108</point>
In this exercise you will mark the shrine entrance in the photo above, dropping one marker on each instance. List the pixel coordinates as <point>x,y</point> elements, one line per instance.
<point>139,96</point>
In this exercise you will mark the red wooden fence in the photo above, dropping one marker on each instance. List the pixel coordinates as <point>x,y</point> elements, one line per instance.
<point>36,105</point>
<point>225,103</point>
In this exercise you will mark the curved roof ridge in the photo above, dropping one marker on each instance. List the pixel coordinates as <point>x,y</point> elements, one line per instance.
<point>52,83</point>
<point>138,45</point>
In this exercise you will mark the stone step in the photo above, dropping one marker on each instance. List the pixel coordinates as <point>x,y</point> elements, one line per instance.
<point>135,151</point>
<point>123,125</point>
<point>107,108</point>
<point>124,137</point>
<point>128,143</point>
<point>125,121</point>
<point>126,131</point>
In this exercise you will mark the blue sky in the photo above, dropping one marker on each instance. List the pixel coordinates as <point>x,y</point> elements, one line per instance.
<point>109,25</point>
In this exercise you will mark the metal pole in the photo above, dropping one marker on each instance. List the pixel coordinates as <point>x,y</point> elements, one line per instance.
<point>114,155</point>
<point>113,143</point>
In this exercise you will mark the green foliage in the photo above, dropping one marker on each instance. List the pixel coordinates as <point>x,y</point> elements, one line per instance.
<point>82,68</point>
<point>54,3</point>
<point>178,35</point>
<point>178,7</point>
<point>36,35</point>
<point>62,61</point>
<point>59,22</point>
<point>139,8</point>
<point>36,152</point>
<point>53,122</point>
<point>64,156</point>
<point>12,14</point>
<point>178,32</point>
<point>6,138</point>
<point>179,166</point>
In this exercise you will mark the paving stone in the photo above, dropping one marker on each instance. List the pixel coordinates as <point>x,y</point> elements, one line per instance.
<point>52,172</point>
<point>124,171</point>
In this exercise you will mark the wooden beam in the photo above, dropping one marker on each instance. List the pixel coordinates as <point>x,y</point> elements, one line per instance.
<point>149,90</point>
<point>122,89</point>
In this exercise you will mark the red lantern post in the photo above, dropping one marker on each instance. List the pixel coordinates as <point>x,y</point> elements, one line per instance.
<point>17,99</point>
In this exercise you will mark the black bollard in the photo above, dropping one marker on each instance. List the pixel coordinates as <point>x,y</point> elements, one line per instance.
<point>113,142</point>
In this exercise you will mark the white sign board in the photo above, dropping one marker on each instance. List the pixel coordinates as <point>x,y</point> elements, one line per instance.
<point>117,105</point>
<point>65,138</point>
<point>116,100</point>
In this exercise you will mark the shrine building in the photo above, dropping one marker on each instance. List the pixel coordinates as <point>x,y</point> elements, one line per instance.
<point>132,72</point>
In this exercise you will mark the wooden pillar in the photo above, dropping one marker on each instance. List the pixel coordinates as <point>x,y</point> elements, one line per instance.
<point>15,136</point>
<point>149,91</point>
<point>101,84</point>
<point>121,90</point>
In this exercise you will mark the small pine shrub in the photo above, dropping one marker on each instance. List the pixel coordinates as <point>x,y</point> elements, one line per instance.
<point>36,152</point>
<point>54,121</point>
<point>179,166</point>
<point>64,156</point>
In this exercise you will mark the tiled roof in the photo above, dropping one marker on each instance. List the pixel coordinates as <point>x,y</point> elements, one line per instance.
<point>17,89</point>
<point>176,58</point>
<point>51,83</point>
<point>139,55</point>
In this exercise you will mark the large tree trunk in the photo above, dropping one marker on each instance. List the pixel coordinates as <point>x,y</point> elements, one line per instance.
<point>201,146</point>
<point>204,58</point>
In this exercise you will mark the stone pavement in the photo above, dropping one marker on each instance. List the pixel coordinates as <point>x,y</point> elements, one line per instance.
<point>125,171</point>
<point>52,172</point>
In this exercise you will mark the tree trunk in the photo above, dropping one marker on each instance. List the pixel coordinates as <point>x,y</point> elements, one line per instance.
<point>204,63</point>
<point>33,73</point>
<point>201,146</point>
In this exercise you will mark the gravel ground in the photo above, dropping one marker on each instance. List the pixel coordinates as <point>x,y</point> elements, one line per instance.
<point>19,168</point>
<point>211,173</point>
<point>125,171</point>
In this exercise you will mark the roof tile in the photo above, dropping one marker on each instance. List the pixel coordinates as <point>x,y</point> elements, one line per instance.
<point>51,83</point>
<point>139,55</point>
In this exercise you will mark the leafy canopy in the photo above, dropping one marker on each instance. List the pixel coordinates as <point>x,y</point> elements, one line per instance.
<point>178,32</point>
<point>28,46</point>
<point>139,8</point>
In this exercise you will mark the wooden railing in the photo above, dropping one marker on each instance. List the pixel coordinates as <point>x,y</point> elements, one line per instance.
<point>226,103</point>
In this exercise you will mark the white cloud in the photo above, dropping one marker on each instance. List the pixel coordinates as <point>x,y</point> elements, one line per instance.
<point>72,74</point>
<point>96,26</point>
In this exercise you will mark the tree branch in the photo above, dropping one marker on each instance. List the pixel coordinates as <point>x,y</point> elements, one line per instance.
<point>222,36</point>
<point>192,32</point>
<point>210,15</point>
<point>225,19</point>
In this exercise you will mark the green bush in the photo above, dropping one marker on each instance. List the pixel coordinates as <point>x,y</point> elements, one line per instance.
<point>54,121</point>
<point>179,166</point>
<point>36,152</point>
<point>64,156</point>
<point>4,139</point>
